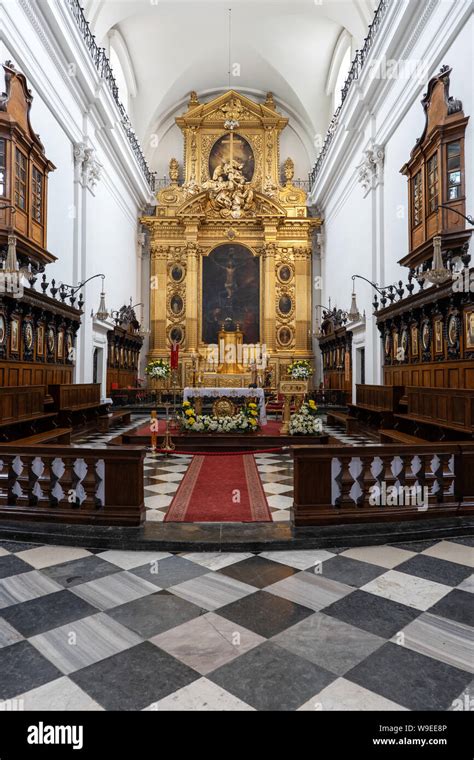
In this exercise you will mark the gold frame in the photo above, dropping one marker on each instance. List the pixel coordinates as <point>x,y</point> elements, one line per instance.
<point>438,340</point>
<point>15,346</point>
<point>414,330</point>
<point>468,344</point>
<point>60,344</point>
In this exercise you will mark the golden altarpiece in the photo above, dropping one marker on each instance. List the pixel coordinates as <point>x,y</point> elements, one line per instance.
<point>230,247</point>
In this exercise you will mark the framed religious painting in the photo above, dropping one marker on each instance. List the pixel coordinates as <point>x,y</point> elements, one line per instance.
<point>61,344</point>
<point>28,339</point>
<point>395,343</point>
<point>426,335</point>
<point>387,344</point>
<point>438,336</point>
<point>50,341</point>
<point>40,340</point>
<point>415,348</point>
<point>469,329</point>
<point>239,148</point>
<point>404,344</point>
<point>14,336</point>
<point>69,347</point>
<point>3,330</point>
<point>176,334</point>
<point>177,272</point>
<point>285,273</point>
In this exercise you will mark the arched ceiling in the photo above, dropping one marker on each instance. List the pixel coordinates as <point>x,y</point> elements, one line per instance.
<point>283,46</point>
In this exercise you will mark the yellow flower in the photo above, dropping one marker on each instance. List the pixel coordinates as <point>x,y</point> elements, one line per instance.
<point>253,412</point>
<point>191,420</point>
<point>252,421</point>
<point>252,405</point>
<point>189,412</point>
<point>312,404</point>
<point>186,403</point>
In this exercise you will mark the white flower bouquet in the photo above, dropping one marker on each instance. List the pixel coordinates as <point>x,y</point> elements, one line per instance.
<point>305,421</point>
<point>299,370</point>
<point>244,421</point>
<point>158,369</point>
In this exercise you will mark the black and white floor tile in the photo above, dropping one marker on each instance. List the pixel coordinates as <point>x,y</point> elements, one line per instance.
<point>91,439</point>
<point>376,628</point>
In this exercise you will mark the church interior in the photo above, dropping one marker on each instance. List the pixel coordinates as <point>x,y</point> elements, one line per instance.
<point>236,357</point>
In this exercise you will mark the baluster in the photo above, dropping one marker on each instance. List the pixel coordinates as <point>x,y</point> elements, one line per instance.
<point>89,484</point>
<point>346,482</point>
<point>421,476</point>
<point>366,481</point>
<point>12,481</point>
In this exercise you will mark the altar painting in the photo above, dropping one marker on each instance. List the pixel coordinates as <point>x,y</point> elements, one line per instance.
<point>231,291</point>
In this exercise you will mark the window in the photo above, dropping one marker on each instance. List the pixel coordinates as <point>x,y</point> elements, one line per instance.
<point>20,179</point>
<point>3,167</point>
<point>37,195</point>
<point>417,199</point>
<point>454,170</point>
<point>433,184</point>
<point>119,76</point>
<point>342,75</point>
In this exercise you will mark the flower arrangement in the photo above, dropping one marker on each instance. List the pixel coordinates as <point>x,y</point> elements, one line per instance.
<point>245,421</point>
<point>158,369</point>
<point>305,421</point>
<point>300,369</point>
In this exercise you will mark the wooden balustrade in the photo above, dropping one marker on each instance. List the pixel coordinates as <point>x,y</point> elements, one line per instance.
<point>337,484</point>
<point>72,485</point>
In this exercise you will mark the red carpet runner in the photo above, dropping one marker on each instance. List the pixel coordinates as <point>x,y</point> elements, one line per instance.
<point>220,489</point>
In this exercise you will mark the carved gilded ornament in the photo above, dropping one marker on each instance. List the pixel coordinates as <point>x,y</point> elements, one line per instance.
<point>174,171</point>
<point>240,200</point>
<point>289,171</point>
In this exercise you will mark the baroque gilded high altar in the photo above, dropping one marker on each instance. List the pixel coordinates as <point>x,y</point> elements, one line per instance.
<point>231,247</point>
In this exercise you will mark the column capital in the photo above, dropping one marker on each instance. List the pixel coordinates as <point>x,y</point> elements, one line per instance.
<point>159,252</point>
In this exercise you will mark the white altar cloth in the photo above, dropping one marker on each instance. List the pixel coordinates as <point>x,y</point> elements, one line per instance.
<point>231,393</point>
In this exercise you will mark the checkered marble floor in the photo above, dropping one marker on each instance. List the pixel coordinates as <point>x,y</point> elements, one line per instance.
<point>379,628</point>
<point>95,440</point>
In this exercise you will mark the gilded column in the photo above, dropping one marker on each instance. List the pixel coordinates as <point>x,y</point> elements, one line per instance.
<point>303,299</point>
<point>268,296</point>
<point>192,303</point>
<point>159,256</point>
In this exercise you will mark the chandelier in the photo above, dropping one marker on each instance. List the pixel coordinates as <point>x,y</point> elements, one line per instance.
<point>438,274</point>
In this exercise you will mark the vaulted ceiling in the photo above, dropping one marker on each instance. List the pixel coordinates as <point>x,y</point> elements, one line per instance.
<point>171,47</point>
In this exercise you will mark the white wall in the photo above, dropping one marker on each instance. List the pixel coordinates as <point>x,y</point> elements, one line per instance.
<point>366,231</point>
<point>91,228</point>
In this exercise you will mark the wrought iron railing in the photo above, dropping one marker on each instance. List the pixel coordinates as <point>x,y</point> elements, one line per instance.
<point>102,64</point>
<point>354,73</point>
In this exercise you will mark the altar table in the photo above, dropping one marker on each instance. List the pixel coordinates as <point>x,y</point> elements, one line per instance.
<point>256,393</point>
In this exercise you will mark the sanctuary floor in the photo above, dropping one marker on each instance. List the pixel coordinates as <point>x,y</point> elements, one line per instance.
<point>377,628</point>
